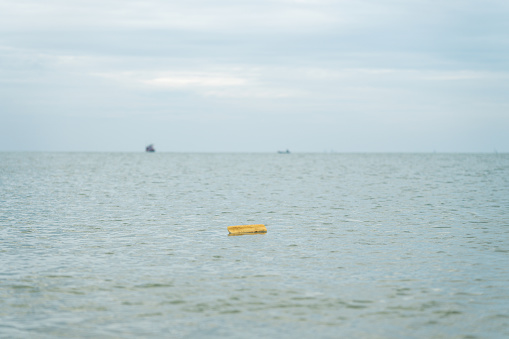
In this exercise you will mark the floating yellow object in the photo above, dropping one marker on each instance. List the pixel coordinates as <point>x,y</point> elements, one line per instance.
<point>247,229</point>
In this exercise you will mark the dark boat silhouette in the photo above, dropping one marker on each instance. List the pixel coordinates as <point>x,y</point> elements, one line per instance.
<point>150,148</point>
<point>284,152</point>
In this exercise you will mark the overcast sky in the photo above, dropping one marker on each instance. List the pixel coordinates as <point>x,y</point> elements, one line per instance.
<point>254,75</point>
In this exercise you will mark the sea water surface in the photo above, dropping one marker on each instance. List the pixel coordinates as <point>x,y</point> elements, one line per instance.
<point>128,245</point>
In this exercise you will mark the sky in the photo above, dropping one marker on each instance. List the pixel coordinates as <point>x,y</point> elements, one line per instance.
<point>254,75</point>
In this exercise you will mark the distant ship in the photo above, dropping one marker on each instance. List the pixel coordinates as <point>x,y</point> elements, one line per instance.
<point>150,148</point>
<point>284,152</point>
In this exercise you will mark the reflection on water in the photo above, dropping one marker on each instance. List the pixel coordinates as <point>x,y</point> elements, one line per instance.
<point>359,245</point>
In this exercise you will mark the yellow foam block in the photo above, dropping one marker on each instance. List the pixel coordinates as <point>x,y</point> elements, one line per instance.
<point>247,229</point>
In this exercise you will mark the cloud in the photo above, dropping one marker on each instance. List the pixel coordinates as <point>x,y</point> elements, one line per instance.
<point>194,80</point>
<point>235,84</point>
<point>158,14</point>
<point>329,63</point>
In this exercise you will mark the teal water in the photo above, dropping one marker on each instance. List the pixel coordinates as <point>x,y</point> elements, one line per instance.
<point>126,245</point>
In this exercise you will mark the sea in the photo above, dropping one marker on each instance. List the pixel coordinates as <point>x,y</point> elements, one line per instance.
<point>135,245</point>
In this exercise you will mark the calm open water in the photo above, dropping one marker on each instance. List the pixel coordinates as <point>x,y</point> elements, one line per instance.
<point>127,245</point>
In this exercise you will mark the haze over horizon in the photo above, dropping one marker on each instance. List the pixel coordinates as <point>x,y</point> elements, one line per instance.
<point>254,76</point>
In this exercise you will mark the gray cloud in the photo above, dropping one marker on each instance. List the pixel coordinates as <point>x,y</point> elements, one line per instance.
<point>313,75</point>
